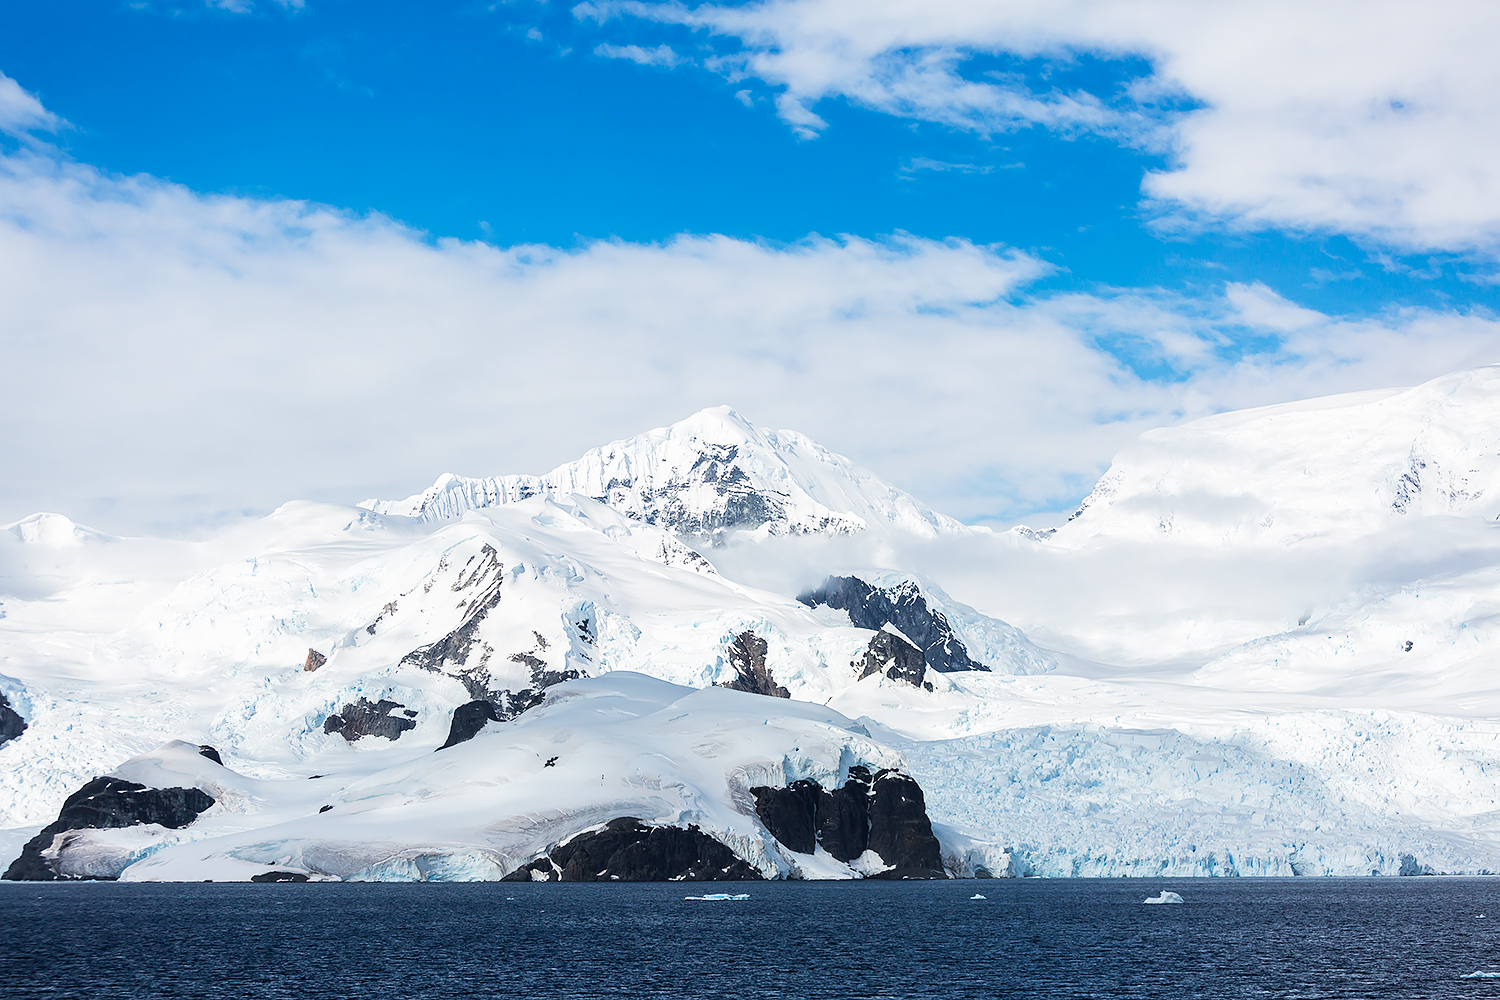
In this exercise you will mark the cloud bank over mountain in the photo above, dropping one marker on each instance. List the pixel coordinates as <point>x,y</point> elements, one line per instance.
<point>203,355</point>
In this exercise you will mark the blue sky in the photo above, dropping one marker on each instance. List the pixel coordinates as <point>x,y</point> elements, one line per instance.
<point>455,121</point>
<point>531,123</point>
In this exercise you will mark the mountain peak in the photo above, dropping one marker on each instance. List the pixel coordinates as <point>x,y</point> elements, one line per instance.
<point>707,476</point>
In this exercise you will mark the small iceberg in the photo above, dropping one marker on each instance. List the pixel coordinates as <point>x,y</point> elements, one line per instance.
<point>1165,897</point>
<point>721,895</point>
<point>1481,975</point>
<point>977,896</point>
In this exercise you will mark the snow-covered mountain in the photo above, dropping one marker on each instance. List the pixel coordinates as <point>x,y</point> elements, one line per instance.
<point>708,476</point>
<point>1333,468</point>
<point>1261,648</point>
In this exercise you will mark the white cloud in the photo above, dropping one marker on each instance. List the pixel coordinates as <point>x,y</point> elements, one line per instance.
<point>21,112</point>
<point>662,55</point>
<point>173,357</point>
<point>1379,118</point>
<point>920,163</point>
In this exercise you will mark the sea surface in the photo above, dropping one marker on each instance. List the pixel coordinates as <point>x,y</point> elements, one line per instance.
<point>1307,938</point>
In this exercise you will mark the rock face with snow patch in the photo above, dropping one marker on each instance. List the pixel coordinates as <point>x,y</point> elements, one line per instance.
<point>102,804</point>
<point>903,606</point>
<point>890,653</point>
<point>371,718</point>
<point>747,655</point>
<point>468,720</point>
<point>11,723</point>
<point>465,655</point>
<point>708,476</point>
<point>627,850</point>
<point>886,814</point>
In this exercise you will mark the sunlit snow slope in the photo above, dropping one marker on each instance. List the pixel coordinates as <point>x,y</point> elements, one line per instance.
<point>1262,647</point>
<point>708,475</point>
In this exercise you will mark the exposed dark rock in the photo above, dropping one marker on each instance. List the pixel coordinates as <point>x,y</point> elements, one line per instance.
<point>106,804</point>
<point>747,655</point>
<point>893,656</point>
<point>324,809</point>
<point>468,720</point>
<point>279,877</point>
<point>204,750</point>
<point>886,814</point>
<point>791,813</point>
<point>843,817</point>
<point>900,831</point>
<point>462,655</point>
<point>366,718</point>
<point>480,579</point>
<point>11,723</point>
<point>314,660</point>
<point>904,607</point>
<point>627,850</point>
<point>389,609</point>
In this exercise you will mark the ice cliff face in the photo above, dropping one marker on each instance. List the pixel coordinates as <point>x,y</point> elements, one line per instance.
<point>706,477</point>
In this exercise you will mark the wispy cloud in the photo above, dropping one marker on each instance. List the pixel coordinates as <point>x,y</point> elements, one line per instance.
<point>21,112</point>
<point>1378,118</point>
<point>662,55</point>
<point>921,163</point>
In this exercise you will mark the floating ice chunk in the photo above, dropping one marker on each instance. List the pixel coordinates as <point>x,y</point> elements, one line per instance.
<point>976,896</point>
<point>721,895</point>
<point>1165,897</point>
<point>1481,975</point>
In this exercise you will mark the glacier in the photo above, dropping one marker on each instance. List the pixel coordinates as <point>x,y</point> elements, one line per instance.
<point>1260,647</point>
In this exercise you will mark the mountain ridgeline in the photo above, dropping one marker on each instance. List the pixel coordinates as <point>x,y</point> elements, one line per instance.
<point>1275,633</point>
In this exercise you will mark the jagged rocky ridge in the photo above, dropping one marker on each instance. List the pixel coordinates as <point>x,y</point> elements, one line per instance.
<point>890,653</point>
<point>903,606</point>
<point>747,656</point>
<point>707,477</point>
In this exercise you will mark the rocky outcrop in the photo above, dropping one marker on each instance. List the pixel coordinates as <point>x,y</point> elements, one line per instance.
<point>106,804</point>
<point>204,750</point>
<point>479,580</point>
<point>464,656</point>
<point>468,720</point>
<point>747,655</point>
<point>627,850</point>
<point>314,660</point>
<point>900,831</point>
<point>891,654</point>
<point>371,718</point>
<point>11,723</point>
<point>904,607</point>
<point>886,813</point>
<point>279,877</point>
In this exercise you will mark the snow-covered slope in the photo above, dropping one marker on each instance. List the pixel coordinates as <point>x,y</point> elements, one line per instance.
<point>625,746</point>
<point>1262,648</point>
<point>711,474</point>
<point>1331,468</point>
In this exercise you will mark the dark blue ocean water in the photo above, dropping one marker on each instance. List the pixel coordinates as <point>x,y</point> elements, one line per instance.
<point>1309,938</point>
